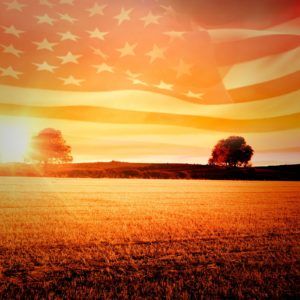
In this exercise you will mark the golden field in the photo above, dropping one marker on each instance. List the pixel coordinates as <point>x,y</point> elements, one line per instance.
<point>135,238</point>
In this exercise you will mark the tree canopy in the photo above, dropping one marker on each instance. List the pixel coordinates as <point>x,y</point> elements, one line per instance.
<point>49,146</point>
<point>232,151</point>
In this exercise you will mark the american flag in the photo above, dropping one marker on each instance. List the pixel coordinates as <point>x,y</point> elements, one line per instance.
<point>210,65</point>
<point>101,46</point>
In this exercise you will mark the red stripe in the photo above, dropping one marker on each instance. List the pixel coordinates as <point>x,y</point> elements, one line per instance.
<point>268,89</point>
<point>255,14</point>
<point>230,53</point>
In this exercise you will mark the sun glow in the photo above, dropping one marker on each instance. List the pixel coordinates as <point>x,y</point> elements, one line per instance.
<point>14,141</point>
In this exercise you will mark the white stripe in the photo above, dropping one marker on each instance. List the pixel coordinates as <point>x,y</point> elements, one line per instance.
<point>230,35</point>
<point>290,27</point>
<point>262,69</point>
<point>152,102</point>
<point>234,34</point>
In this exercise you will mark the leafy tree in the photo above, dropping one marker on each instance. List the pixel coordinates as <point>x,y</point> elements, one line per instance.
<point>232,151</point>
<point>50,147</point>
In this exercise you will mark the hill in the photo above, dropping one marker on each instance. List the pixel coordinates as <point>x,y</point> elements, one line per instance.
<point>115,169</point>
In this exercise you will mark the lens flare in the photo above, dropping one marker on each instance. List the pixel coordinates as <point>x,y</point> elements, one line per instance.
<point>14,141</point>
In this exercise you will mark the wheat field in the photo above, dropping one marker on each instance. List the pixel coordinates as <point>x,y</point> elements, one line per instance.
<point>158,239</point>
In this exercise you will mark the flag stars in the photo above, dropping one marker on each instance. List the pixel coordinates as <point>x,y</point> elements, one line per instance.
<point>12,50</point>
<point>97,34</point>
<point>45,67</point>
<point>67,17</point>
<point>164,86</point>
<point>68,36</point>
<point>104,68</point>
<point>46,3</point>
<point>136,81</point>
<point>45,45</point>
<point>15,5</point>
<point>169,10</point>
<point>182,69</point>
<point>69,58</point>
<point>132,75</point>
<point>69,2</point>
<point>99,52</point>
<point>175,35</point>
<point>191,94</point>
<point>45,19</point>
<point>10,72</point>
<point>127,50</point>
<point>13,31</point>
<point>96,10</point>
<point>150,19</point>
<point>156,53</point>
<point>123,15</point>
<point>71,81</point>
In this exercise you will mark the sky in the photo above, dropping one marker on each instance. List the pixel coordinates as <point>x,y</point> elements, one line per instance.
<point>151,81</point>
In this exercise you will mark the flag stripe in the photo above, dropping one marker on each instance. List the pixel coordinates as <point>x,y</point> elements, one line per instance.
<point>230,53</point>
<point>270,68</point>
<point>222,35</point>
<point>152,102</point>
<point>268,89</point>
<point>291,26</point>
<point>108,115</point>
<point>227,35</point>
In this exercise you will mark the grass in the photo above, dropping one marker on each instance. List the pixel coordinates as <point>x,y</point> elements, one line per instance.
<point>114,238</point>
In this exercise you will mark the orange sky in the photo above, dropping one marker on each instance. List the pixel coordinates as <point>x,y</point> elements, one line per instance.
<point>153,81</point>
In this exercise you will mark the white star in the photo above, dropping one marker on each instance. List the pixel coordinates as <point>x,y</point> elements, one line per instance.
<point>46,3</point>
<point>68,18</point>
<point>12,50</point>
<point>69,58</point>
<point>156,53</point>
<point>15,5</point>
<point>190,94</point>
<point>123,15</point>
<point>169,10</point>
<point>45,19</point>
<point>71,81</point>
<point>96,10</point>
<point>183,69</point>
<point>104,68</point>
<point>150,19</point>
<point>97,34</point>
<point>68,36</point>
<point>136,81</point>
<point>45,67</point>
<point>127,50</point>
<point>132,75</point>
<point>175,35</point>
<point>12,30</point>
<point>69,2</point>
<point>10,72</point>
<point>99,52</point>
<point>164,86</point>
<point>45,44</point>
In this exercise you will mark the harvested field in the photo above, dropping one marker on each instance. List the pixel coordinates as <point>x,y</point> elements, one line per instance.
<point>135,238</point>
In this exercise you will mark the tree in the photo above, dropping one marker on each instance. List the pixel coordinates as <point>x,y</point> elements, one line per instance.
<point>232,151</point>
<point>50,147</point>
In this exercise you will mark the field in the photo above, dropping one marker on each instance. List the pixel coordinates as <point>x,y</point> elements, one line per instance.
<point>136,238</point>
